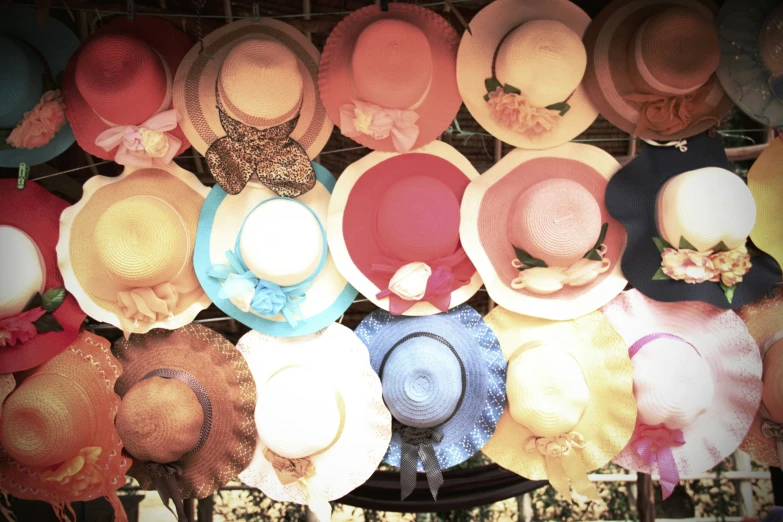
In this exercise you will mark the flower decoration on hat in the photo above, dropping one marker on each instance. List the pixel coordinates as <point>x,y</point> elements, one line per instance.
<point>512,110</point>
<point>34,319</point>
<point>146,144</point>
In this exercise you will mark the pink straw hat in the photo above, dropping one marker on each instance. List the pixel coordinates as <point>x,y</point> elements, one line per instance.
<point>387,78</point>
<point>537,229</point>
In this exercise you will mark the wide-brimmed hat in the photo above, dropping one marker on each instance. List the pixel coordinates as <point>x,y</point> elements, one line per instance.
<point>58,442</point>
<point>570,405</point>
<point>118,92</point>
<point>38,318</point>
<point>751,65</point>
<point>186,416</point>
<point>688,217</point>
<point>764,319</point>
<point>126,248</point>
<point>322,425</point>
<point>765,181</point>
<point>443,379</point>
<point>537,229</point>
<point>7,385</point>
<point>520,72</point>
<point>651,67</point>
<point>393,229</point>
<point>249,102</point>
<point>33,126</point>
<point>697,382</point>
<point>388,78</point>
<point>265,260</point>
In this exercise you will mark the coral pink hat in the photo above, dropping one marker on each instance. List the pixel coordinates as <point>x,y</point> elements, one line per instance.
<point>393,229</point>
<point>118,92</point>
<point>388,79</point>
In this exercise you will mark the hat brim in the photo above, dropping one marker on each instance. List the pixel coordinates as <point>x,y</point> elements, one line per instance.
<point>476,57</point>
<point>355,455</point>
<point>765,181</point>
<point>219,224</point>
<point>194,84</point>
<point>733,356</point>
<point>631,198</point>
<point>490,199</point>
<point>353,253</point>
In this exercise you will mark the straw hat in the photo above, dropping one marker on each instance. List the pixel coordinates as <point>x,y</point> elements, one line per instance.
<point>118,90</point>
<point>387,78</point>
<point>249,102</point>
<point>570,399</point>
<point>126,248</point>
<point>697,382</point>
<point>38,318</point>
<point>764,319</point>
<point>765,181</point>
<point>688,217</point>
<point>520,72</point>
<point>316,442</point>
<point>186,416</point>
<point>651,65</point>
<point>555,254</point>
<point>751,66</point>
<point>7,385</point>
<point>250,267</point>
<point>394,229</point>
<point>58,442</point>
<point>33,126</point>
<point>443,379</point>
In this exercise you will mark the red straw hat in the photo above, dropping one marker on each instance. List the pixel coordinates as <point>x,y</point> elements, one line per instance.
<point>29,230</point>
<point>121,79</point>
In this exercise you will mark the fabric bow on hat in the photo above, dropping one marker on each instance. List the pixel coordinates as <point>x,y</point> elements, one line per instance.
<point>417,444</point>
<point>143,145</point>
<point>300,470</point>
<point>564,464</point>
<point>654,444</point>
<point>360,117</point>
<point>146,305</point>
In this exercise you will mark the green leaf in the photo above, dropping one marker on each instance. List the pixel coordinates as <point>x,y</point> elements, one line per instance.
<point>728,291</point>
<point>659,275</point>
<point>486,97</point>
<point>601,236</point>
<point>47,323</point>
<point>528,260</point>
<point>661,243</point>
<point>34,302</point>
<point>684,243</point>
<point>720,247</point>
<point>563,107</point>
<point>593,255</point>
<point>491,84</point>
<point>53,298</point>
<point>510,89</point>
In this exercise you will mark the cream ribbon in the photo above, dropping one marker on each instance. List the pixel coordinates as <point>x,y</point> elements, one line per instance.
<point>146,305</point>
<point>301,470</point>
<point>564,465</point>
<point>550,279</point>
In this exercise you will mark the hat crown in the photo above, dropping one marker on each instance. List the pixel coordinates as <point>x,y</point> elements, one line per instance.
<point>21,80</point>
<point>555,220</point>
<point>771,41</point>
<point>23,273</point>
<point>47,420</point>
<point>392,65</point>
<point>544,59</point>
<point>706,206</point>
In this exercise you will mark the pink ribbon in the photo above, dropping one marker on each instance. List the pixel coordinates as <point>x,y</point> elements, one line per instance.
<point>130,140</point>
<point>654,444</point>
<point>359,118</point>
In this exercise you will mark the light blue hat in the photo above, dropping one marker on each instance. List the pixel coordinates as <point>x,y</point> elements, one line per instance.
<point>443,379</point>
<point>29,53</point>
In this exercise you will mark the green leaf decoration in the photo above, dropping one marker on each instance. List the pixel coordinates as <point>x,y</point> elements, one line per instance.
<point>659,275</point>
<point>34,302</point>
<point>510,89</point>
<point>528,260</point>
<point>486,97</point>
<point>593,254</point>
<point>728,291</point>
<point>563,107</point>
<point>47,323</point>
<point>661,244</point>
<point>491,84</point>
<point>684,243</point>
<point>720,247</point>
<point>53,298</point>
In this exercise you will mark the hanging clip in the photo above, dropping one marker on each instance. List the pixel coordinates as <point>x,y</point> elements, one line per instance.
<point>21,178</point>
<point>256,13</point>
<point>131,11</point>
<point>385,6</point>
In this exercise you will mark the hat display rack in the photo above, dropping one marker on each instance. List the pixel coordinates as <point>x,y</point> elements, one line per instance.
<point>206,69</point>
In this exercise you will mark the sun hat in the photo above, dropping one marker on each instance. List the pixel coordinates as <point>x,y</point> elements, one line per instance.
<point>393,229</point>
<point>387,77</point>
<point>33,126</point>
<point>765,181</point>
<point>186,416</point>
<point>520,72</point>
<point>7,385</point>
<point>265,260</point>
<point>651,65</point>
<point>322,425</point>
<point>688,217</point>
<point>443,378</point>
<point>118,91</point>
<point>570,399</point>
<point>249,102</point>
<point>537,229</point>
<point>697,382</point>
<point>764,319</point>
<point>58,442</point>
<point>126,248</point>
<point>751,65</point>
<point>38,318</point>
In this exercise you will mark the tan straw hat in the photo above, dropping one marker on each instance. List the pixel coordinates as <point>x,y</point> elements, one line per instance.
<point>765,181</point>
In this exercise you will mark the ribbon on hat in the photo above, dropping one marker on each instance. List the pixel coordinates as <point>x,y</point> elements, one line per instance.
<point>361,118</point>
<point>654,445</point>
<point>143,145</point>
<point>666,115</point>
<point>300,470</point>
<point>146,305</point>
<point>164,480</point>
<point>417,444</point>
<point>773,430</point>
<point>564,465</point>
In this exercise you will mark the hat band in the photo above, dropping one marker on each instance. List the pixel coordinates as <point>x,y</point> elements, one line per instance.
<point>647,339</point>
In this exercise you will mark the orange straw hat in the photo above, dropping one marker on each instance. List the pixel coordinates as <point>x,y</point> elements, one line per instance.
<point>58,442</point>
<point>651,67</point>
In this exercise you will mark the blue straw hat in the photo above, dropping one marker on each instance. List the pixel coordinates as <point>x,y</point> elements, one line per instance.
<point>443,379</point>
<point>29,53</point>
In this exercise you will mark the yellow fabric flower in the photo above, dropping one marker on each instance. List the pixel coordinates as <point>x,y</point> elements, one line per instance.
<point>156,144</point>
<point>689,266</point>
<point>732,264</point>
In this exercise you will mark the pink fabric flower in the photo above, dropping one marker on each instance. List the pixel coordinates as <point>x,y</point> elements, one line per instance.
<point>689,266</point>
<point>20,327</point>
<point>40,124</point>
<point>514,112</point>
<point>360,117</point>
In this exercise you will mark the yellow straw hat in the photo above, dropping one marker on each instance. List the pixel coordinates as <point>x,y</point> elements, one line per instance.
<point>571,407</point>
<point>765,181</point>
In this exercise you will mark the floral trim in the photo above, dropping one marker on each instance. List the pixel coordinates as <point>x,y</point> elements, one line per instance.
<point>39,124</point>
<point>513,111</point>
<point>36,318</point>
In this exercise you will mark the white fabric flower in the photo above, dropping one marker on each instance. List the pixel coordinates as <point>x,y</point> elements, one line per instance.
<point>410,281</point>
<point>243,300</point>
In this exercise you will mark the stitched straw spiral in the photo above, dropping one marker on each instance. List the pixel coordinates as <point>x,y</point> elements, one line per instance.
<point>772,394</point>
<point>392,64</point>
<point>142,241</point>
<point>23,271</point>
<point>771,41</point>
<point>46,421</point>
<point>21,71</point>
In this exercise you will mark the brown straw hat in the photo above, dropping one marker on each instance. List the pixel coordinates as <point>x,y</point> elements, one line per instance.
<point>187,412</point>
